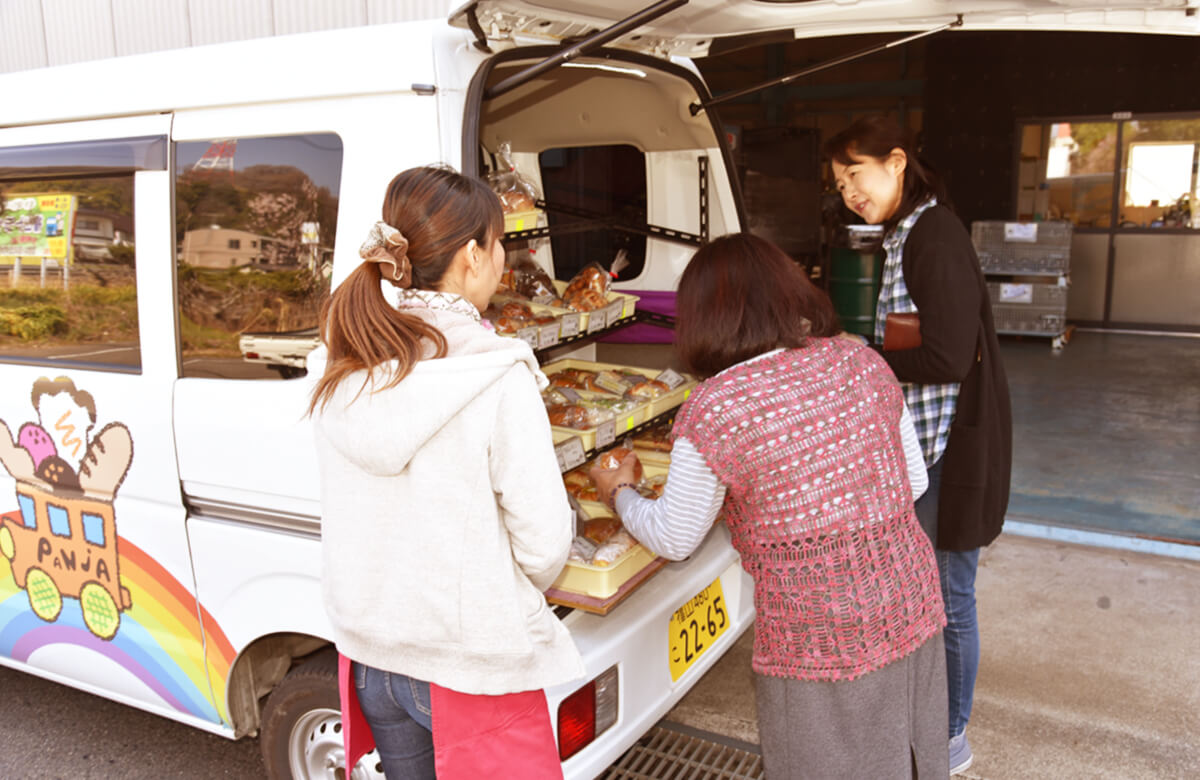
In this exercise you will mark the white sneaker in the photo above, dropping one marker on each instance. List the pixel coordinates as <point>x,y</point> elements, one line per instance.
<point>960,754</point>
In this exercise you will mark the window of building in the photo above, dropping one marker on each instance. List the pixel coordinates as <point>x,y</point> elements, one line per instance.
<point>268,187</point>
<point>68,293</point>
<point>1072,169</point>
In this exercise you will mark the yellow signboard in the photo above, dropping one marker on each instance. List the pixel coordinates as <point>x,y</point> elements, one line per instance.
<point>37,227</point>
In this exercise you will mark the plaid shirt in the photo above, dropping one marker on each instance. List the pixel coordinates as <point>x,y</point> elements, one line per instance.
<point>932,406</point>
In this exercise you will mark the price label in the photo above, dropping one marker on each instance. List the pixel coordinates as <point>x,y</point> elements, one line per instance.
<point>529,336</point>
<point>606,433</point>
<point>580,516</point>
<point>597,320</point>
<point>570,453</point>
<point>568,325</point>
<point>1024,232</point>
<point>614,312</point>
<point>568,393</point>
<point>547,336</point>
<point>671,378</point>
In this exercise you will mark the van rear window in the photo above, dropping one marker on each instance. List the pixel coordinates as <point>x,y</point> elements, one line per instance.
<point>255,223</point>
<point>602,183</point>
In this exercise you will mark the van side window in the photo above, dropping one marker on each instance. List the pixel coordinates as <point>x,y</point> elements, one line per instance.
<point>606,183</point>
<point>68,292</point>
<point>255,222</point>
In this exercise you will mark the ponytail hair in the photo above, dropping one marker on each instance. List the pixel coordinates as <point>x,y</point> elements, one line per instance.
<point>429,214</point>
<point>876,136</point>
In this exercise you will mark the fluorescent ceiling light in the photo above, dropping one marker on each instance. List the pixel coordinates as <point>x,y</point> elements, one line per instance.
<point>610,68</point>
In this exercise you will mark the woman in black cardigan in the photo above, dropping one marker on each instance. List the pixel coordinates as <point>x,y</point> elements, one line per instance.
<point>954,380</point>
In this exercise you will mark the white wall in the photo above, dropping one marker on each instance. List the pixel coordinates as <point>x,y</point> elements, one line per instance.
<point>41,33</point>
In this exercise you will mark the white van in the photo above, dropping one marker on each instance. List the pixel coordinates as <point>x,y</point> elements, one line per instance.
<point>163,545</point>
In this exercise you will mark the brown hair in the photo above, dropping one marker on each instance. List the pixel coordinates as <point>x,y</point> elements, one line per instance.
<point>438,211</point>
<point>740,296</point>
<point>876,136</point>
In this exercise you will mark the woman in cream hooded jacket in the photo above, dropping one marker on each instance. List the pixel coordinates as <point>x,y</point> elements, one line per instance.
<point>445,494</point>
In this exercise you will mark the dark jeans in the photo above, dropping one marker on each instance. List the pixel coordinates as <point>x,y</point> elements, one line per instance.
<point>401,719</point>
<point>956,570</point>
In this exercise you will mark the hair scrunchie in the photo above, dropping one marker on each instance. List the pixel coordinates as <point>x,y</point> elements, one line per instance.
<point>386,246</point>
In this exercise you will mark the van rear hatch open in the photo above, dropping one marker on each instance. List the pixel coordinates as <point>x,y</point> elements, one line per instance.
<point>690,29</point>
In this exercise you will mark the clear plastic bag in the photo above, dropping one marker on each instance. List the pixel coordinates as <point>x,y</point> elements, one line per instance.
<point>516,192</point>
<point>588,289</point>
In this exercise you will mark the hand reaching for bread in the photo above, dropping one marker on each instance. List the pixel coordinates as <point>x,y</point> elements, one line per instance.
<point>617,466</point>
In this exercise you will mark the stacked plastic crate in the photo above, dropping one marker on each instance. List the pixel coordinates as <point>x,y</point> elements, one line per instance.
<point>1027,266</point>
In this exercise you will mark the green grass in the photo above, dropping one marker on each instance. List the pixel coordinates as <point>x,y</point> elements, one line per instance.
<point>85,313</point>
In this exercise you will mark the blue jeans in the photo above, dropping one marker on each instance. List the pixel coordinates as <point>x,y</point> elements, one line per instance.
<point>401,719</point>
<point>957,573</point>
<point>956,570</point>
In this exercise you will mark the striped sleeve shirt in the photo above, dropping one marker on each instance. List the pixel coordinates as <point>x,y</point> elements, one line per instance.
<point>674,525</point>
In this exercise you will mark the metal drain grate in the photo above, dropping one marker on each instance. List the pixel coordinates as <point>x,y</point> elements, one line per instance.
<point>672,752</point>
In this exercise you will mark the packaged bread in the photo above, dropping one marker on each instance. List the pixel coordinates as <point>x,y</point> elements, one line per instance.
<point>580,415</point>
<point>582,550</point>
<point>580,485</point>
<point>612,458</point>
<point>590,277</point>
<point>652,487</point>
<point>584,300</point>
<point>648,389</point>
<point>601,529</point>
<point>657,439</point>
<point>617,545</point>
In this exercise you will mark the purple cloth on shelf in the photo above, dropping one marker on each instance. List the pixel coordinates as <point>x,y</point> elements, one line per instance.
<point>657,301</point>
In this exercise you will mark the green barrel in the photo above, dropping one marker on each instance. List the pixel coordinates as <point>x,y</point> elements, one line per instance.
<point>854,277</point>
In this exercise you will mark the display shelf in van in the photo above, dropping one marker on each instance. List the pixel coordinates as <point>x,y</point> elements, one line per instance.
<point>588,320</point>
<point>623,423</point>
<point>602,581</point>
<point>524,220</point>
<point>538,336</point>
<point>656,406</point>
<point>649,469</point>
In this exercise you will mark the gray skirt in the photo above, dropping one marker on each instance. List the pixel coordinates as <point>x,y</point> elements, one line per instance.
<point>889,723</point>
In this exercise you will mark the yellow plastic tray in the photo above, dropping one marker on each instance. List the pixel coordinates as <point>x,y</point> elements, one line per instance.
<point>654,407</point>
<point>622,424</point>
<point>629,304</point>
<point>522,220</point>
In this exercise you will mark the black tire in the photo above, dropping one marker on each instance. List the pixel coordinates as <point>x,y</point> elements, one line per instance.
<point>287,372</point>
<point>304,709</point>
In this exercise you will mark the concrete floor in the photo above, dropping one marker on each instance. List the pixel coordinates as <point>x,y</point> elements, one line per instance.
<point>1106,433</point>
<point>1088,668</point>
<point>1090,663</point>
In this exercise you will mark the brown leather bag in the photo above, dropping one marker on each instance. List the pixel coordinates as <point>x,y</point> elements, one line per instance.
<point>901,331</point>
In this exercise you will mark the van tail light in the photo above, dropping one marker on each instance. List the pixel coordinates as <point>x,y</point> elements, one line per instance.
<point>587,713</point>
<point>251,356</point>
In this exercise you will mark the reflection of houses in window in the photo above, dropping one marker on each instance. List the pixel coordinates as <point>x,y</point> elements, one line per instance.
<point>96,231</point>
<point>218,247</point>
<point>1062,146</point>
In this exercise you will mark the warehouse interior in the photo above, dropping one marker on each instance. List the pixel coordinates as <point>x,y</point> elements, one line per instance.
<point>1034,127</point>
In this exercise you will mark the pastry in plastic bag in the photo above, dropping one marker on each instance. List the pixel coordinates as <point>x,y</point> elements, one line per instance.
<point>657,439</point>
<point>648,389</point>
<point>617,545</point>
<point>516,192</point>
<point>584,300</point>
<point>601,529</point>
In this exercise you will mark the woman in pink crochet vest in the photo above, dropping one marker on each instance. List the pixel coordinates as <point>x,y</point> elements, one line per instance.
<point>805,441</point>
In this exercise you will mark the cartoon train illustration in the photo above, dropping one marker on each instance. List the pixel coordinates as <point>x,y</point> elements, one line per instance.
<point>63,542</point>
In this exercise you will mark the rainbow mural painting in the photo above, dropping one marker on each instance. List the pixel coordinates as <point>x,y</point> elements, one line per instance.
<point>159,641</point>
<point>66,577</point>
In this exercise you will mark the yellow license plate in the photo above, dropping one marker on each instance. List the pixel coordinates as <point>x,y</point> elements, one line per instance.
<point>695,626</point>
